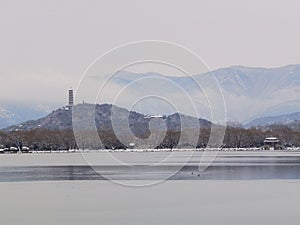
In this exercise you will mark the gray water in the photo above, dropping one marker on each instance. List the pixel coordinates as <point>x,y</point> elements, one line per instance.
<point>239,188</point>
<point>227,166</point>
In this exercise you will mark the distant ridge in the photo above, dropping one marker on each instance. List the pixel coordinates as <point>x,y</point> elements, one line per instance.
<point>287,119</point>
<point>61,119</point>
<point>249,93</point>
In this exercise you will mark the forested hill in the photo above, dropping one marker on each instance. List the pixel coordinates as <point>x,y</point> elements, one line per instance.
<point>54,131</point>
<point>61,119</point>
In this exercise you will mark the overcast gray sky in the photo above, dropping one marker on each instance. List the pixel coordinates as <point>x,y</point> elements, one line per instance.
<point>45,46</point>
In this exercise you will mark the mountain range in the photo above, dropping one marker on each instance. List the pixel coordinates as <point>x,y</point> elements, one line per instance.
<point>249,94</point>
<point>287,119</point>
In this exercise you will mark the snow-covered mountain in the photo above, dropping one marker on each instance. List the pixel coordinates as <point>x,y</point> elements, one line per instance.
<point>249,93</point>
<point>258,92</point>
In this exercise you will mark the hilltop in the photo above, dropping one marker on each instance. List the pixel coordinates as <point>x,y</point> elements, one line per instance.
<point>61,119</point>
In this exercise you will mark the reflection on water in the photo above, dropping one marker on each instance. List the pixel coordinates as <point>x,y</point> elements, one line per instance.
<point>225,167</point>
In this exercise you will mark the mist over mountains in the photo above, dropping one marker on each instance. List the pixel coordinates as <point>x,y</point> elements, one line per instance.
<point>249,94</point>
<point>12,114</point>
<point>291,120</point>
<point>252,93</point>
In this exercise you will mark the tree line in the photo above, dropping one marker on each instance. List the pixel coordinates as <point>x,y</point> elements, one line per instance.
<point>235,137</point>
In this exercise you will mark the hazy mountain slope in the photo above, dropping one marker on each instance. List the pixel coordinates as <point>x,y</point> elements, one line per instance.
<point>62,119</point>
<point>283,119</point>
<point>256,92</point>
<point>249,93</point>
<point>7,118</point>
<point>12,114</point>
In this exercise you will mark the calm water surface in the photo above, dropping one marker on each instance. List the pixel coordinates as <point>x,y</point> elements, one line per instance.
<point>227,166</point>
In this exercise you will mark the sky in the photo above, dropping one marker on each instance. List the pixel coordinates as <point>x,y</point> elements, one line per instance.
<point>45,46</point>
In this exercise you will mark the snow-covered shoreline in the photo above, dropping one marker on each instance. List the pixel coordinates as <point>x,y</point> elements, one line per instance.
<point>290,149</point>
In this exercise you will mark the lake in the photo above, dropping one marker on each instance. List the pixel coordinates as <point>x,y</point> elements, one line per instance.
<point>239,188</point>
<point>149,166</point>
